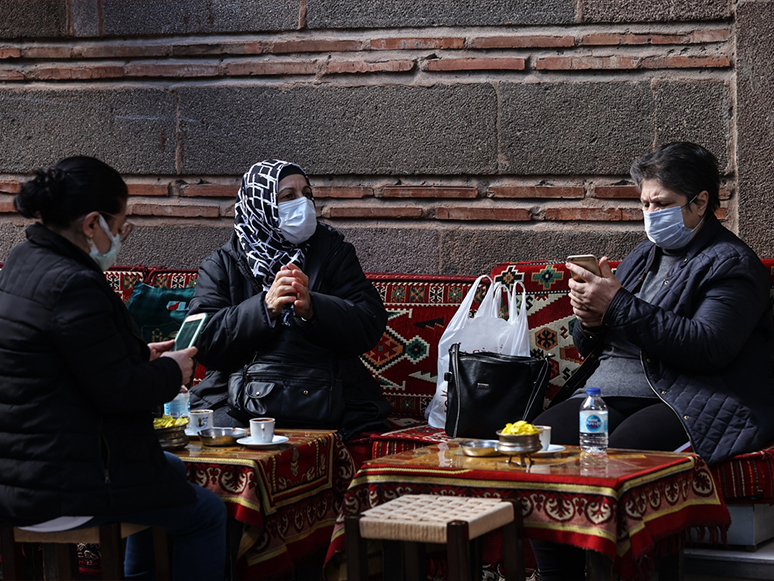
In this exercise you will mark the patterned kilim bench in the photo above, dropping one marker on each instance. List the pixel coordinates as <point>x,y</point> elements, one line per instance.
<point>746,481</point>
<point>405,360</point>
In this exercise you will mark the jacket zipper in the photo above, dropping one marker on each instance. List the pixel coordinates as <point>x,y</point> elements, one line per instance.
<point>658,395</point>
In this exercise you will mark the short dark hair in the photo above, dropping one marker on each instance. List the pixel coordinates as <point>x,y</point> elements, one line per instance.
<point>72,188</point>
<point>683,167</point>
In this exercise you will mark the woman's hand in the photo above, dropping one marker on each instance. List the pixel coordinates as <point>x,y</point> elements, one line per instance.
<point>184,360</point>
<point>290,287</point>
<point>156,349</point>
<point>591,297</point>
<point>303,302</point>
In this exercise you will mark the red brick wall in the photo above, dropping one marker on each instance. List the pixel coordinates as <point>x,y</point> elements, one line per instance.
<point>472,141</point>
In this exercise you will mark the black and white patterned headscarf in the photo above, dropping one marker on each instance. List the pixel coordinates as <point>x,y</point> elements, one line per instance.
<point>257,223</point>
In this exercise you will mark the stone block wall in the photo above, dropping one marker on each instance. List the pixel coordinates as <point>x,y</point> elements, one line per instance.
<point>441,137</point>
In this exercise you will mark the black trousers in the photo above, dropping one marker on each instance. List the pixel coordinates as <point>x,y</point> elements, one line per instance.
<point>634,423</point>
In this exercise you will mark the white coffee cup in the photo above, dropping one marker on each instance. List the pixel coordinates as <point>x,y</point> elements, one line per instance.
<point>262,429</point>
<point>199,420</point>
<point>545,437</point>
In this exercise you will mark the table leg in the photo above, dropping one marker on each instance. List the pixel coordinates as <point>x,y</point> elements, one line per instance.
<point>599,567</point>
<point>671,567</point>
<point>234,530</point>
<point>513,545</point>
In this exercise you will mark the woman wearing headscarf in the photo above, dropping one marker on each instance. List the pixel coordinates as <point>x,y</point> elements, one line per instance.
<point>287,289</point>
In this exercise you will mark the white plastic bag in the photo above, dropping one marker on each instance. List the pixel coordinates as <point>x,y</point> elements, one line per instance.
<point>486,331</point>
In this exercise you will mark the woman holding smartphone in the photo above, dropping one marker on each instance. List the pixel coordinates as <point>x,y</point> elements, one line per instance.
<point>78,384</point>
<point>680,340</point>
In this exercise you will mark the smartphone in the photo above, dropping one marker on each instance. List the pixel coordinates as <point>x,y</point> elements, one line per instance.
<point>189,331</point>
<point>587,261</point>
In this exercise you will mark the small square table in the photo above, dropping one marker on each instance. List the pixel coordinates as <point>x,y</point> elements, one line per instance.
<point>621,506</point>
<point>289,493</point>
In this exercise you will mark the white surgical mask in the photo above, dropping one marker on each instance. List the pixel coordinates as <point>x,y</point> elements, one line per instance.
<point>105,261</point>
<point>297,220</point>
<point>666,228</point>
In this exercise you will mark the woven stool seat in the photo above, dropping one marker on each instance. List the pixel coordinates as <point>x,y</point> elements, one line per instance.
<point>422,518</point>
<point>410,521</point>
<point>58,559</point>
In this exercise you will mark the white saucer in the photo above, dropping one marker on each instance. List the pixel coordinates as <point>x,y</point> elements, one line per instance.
<point>552,449</point>
<point>191,432</point>
<point>250,443</point>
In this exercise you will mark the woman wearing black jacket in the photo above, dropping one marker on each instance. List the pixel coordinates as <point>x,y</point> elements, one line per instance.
<point>286,288</point>
<point>680,340</point>
<point>78,384</point>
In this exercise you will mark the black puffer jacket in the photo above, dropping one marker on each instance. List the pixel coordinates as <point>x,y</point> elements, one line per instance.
<point>349,319</point>
<point>707,340</point>
<point>76,392</point>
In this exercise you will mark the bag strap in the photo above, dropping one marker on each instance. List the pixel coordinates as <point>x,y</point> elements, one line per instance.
<point>544,367</point>
<point>454,360</point>
<point>512,314</point>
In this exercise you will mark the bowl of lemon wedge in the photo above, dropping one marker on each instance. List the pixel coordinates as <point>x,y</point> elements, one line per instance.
<point>519,438</point>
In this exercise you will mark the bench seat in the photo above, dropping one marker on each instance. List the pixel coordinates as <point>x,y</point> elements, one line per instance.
<point>404,361</point>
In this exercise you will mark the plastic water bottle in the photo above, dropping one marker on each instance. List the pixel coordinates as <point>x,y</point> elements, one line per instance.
<point>180,406</point>
<point>593,423</point>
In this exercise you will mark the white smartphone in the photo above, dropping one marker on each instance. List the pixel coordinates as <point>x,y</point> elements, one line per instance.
<point>189,331</point>
<point>587,261</point>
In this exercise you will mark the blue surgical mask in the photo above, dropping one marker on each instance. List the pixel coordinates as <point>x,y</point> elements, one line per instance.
<point>105,261</point>
<point>297,220</point>
<point>666,228</point>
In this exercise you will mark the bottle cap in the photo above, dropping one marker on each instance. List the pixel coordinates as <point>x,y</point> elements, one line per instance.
<point>593,391</point>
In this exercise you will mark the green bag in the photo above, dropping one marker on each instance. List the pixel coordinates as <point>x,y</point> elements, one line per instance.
<point>159,312</point>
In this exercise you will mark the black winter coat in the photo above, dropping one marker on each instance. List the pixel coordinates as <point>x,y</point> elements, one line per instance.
<point>706,340</point>
<point>76,393</point>
<point>349,319</point>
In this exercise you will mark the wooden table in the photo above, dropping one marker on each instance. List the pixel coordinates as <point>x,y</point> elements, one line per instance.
<point>623,507</point>
<point>288,494</point>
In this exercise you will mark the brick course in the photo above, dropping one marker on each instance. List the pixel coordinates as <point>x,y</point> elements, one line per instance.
<point>500,116</point>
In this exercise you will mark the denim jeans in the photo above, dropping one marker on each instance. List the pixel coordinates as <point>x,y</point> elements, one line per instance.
<point>198,531</point>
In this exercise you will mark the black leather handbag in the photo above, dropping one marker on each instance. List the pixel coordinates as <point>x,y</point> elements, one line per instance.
<point>489,390</point>
<point>293,393</point>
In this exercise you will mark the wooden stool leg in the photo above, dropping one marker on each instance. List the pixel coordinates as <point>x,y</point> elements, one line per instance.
<point>357,551</point>
<point>458,550</point>
<point>162,555</point>
<point>13,561</point>
<point>393,562</point>
<point>57,563</point>
<point>513,545</point>
<point>111,551</point>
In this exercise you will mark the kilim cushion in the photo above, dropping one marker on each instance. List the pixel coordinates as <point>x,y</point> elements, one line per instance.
<point>405,361</point>
<point>745,477</point>
<point>123,279</point>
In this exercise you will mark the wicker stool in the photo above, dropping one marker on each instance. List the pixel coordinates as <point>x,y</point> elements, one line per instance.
<point>57,557</point>
<point>458,522</point>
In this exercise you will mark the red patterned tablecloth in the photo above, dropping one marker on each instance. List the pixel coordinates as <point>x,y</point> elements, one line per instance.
<point>621,506</point>
<point>290,494</point>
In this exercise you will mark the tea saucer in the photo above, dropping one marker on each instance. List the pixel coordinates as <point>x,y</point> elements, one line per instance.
<point>250,443</point>
<point>552,449</point>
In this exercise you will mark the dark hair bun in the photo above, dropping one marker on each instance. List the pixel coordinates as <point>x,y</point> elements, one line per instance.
<point>42,195</point>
